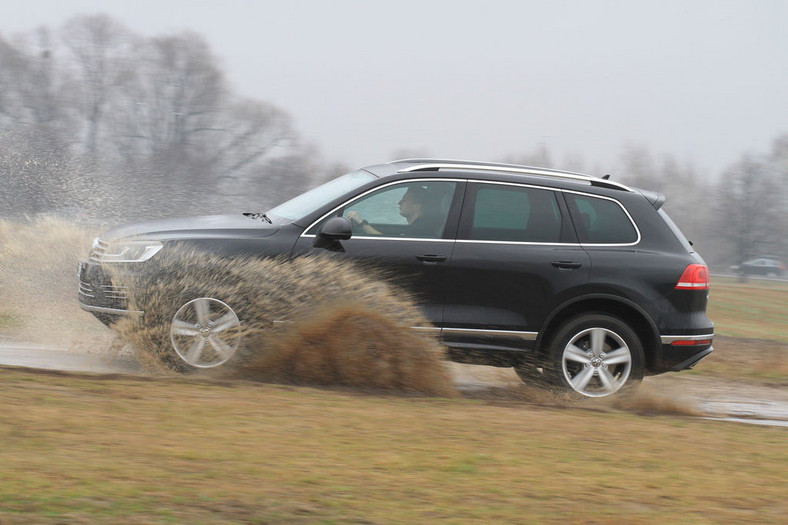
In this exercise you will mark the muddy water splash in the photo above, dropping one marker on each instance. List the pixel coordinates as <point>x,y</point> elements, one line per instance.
<point>38,283</point>
<point>311,320</point>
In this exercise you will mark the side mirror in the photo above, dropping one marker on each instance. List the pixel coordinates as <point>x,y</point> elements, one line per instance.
<point>333,231</point>
<point>336,229</point>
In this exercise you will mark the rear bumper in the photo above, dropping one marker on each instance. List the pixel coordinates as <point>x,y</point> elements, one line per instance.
<point>692,361</point>
<point>682,352</point>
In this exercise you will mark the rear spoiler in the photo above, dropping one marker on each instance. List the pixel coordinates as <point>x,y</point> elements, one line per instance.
<point>656,199</point>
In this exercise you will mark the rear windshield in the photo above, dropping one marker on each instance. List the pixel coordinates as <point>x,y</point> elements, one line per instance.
<point>675,229</point>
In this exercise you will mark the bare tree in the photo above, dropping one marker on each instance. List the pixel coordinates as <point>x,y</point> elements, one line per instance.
<point>173,98</point>
<point>247,132</point>
<point>748,215</point>
<point>101,49</point>
<point>32,82</point>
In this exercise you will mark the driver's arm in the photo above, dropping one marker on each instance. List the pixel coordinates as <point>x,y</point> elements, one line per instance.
<point>362,224</point>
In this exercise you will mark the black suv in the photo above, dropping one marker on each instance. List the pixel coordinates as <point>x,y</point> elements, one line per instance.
<point>573,280</point>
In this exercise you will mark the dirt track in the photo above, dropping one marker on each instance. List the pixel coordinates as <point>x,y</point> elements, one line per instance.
<point>679,393</point>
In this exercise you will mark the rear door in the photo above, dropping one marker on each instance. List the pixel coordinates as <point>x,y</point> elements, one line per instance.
<point>515,258</point>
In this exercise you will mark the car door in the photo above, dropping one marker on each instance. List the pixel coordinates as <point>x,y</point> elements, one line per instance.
<point>515,258</point>
<point>384,242</point>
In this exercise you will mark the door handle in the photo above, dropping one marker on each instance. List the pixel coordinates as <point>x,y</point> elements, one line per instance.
<point>566,265</point>
<point>431,259</point>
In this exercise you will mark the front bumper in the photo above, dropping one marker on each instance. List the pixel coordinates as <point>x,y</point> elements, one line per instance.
<point>98,295</point>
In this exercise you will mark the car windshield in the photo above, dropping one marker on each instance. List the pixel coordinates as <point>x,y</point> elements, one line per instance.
<point>315,198</point>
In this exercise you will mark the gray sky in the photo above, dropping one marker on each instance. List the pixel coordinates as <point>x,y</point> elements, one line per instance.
<point>703,80</point>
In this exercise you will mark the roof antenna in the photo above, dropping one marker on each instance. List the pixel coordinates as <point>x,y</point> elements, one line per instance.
<point>606,176</point>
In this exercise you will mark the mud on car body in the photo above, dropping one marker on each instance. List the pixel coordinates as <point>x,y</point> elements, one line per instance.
<point>577,282</point>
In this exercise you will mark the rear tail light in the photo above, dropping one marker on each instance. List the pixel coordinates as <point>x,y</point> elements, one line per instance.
<point>695,277</point>
<point>691,342</point>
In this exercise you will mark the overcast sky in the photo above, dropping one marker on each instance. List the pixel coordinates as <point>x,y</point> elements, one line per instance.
<point>702,80</point>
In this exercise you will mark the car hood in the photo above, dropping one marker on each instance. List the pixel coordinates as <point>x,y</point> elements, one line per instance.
<point>205,227</point>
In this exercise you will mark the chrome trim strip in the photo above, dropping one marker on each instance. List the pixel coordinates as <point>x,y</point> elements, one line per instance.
<point>426,329</point>
<point>471,241</point>
<point>667,339</point>
<point>371,237</point>
<point>525,336</point>
<point>110,311</point>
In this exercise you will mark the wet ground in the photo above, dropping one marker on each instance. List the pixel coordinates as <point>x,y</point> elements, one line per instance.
<point>692,394</point>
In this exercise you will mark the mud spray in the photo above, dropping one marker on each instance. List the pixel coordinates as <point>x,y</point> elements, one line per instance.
<point>313,320</point>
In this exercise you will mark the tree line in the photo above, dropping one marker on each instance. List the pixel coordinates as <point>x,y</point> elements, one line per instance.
<point>730,217</point>
<point>98,118</point>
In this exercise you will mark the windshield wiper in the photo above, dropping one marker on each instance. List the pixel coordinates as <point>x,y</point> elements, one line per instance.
<point>259,216</point>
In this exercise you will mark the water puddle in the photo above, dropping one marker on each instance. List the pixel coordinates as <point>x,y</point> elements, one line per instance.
<point>774,413</point>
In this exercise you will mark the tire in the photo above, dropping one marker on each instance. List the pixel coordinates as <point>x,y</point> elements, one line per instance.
<point>595,355</point>
<point>205,332</point>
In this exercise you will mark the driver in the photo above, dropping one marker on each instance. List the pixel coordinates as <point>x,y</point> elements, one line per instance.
<point>415,207</point>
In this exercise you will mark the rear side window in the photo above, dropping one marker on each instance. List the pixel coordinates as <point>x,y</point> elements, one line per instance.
<point>514,213</point>
<point>601,221</point>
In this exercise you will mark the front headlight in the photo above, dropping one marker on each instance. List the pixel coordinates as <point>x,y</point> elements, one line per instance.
<point>124,251</point>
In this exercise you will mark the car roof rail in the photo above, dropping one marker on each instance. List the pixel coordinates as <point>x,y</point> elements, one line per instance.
<point>438,164</point>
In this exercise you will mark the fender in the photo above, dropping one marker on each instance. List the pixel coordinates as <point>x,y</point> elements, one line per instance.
<point>596,296</point>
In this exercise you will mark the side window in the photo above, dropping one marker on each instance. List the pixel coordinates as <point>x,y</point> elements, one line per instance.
<point>514,213</point>
<point>602,221</point>
<point>409,209</point>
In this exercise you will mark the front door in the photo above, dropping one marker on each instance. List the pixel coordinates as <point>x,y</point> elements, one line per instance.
<point>404,232</point>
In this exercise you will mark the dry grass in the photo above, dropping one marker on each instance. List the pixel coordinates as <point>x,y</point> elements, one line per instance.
<point>753,360</point>
<point>104,449</point>
<point>753,309</point>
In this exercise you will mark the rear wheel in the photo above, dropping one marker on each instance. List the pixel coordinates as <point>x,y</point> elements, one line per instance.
<point>595,355</point>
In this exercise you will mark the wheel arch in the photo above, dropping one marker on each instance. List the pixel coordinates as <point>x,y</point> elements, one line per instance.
<point>626,310</point>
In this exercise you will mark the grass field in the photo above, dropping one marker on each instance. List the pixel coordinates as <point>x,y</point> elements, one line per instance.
<point>756,309</point>
<point>103,449</point>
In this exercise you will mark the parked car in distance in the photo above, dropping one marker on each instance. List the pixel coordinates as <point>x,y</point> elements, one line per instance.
<point>577,282</point>
<point>761,266</point>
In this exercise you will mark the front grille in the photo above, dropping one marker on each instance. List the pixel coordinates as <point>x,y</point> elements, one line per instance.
<point>85,289</point>
<point>115,292</point>
<point>103,295</point>
<point>97,250</point>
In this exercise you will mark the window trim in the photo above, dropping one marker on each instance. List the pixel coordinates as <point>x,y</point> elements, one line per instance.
<point>626,212</point>
<point>463,189</point>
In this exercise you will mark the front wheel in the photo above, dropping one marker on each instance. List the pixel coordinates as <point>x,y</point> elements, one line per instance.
<point>205,333</point>
<point>595,355</point>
